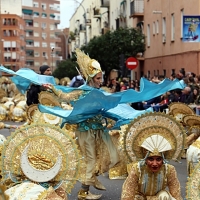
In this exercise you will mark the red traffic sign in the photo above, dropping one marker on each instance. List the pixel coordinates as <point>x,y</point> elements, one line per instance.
<point>131,63</point>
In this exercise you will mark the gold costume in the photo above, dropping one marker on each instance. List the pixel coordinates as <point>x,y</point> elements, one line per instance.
<point>148,141</point>
<point>144,183</point>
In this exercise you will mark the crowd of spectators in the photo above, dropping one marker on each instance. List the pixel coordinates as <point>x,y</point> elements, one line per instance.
<point>189,95</point>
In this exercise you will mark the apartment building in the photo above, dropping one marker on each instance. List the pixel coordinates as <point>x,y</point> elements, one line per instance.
<point>89,20</point>
<point>12,46</point>
<point>41,33</point>
<point>166,51</point>
<point>161,22</point>
<point>64,36</point>
<point>96,17</point>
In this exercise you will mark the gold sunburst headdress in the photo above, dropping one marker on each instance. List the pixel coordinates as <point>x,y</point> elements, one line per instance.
<point>42,153</point>
<point>89,67</point>
<point>157,134</point>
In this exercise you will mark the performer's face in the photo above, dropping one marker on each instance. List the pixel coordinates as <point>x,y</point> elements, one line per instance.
<point>97,80</point>
<point>154,163</point>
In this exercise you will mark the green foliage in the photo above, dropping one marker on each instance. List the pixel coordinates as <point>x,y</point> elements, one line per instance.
<point>66,68</point>
<point>107,48</point>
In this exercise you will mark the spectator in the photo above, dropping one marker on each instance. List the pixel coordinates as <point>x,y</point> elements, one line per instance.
<point>186,96</point>
<point>34,90</point>
<point>114,86</point>
<point>77,81</point>
<point>149,103</point>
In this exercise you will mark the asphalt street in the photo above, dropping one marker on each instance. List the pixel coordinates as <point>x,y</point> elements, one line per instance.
<point>114,187</point>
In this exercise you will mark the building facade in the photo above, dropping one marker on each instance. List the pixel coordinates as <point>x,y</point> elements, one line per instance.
<point>41,32</point>
<point>166,53</point>
<point>12,43</point>
<point>161,22</point>
<point>98,17</point>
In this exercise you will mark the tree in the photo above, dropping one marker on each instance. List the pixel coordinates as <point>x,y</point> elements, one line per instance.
<point>108,47</point>
<point>66,68</point>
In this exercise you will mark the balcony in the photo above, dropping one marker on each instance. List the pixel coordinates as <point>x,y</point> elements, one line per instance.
<point>96,13</point>
<point>137,8</point>
<point>82,28</point>
<point>27,16</point>
<point>104,30</point>
<point>57,48</point>
<point>105,3</point>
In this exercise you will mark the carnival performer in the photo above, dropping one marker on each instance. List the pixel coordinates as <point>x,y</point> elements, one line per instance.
<point>92,139</point>
<point>153,144</point>
<point>43,163</point>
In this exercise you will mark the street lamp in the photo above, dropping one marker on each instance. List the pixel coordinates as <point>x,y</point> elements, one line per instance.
<point>52,49</point>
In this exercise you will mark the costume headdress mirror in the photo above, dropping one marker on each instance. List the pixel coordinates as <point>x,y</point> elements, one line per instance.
<point>88,67</point>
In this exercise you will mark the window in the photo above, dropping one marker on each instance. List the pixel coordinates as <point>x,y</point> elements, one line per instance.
<point>44,35</point>
<point>52,27</point>
<point>37,64</point>
<point>172,27</point>
<point>36,24</point>
<point>36,14</point>
<point>44,44</point>
<point>157,26</point>
<point>154,28</point>
<point>52,44</point>
<point>44,15</point>
<point>44,54</point>
<point>36,54</point>
<point>182,13</point>
<point>52,35</point>
<point>164,30</point>
<point>149,74</point>
<point>164,72</point>
<point>35,4</point>
<point>157,72</point>
<point>36,44</point>
<point>148,35</point>
<point>36,34</point>
<point>44,6</point>
<point>44,25</point>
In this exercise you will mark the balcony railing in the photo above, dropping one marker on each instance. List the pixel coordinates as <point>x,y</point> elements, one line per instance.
<point>137,7</point>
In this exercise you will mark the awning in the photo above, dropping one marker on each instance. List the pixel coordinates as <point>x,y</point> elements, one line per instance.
<point>28,30</point>
<point>28,20</point>
<point>29,60</point>
<point>44,15</point>
<point>52,15</point>
<point>27,11</point>
<point>36,13</point>
<point>123,2</point>
<point>29,41</point>
<point>29,50</point>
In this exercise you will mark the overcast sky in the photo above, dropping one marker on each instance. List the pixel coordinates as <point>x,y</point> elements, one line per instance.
<point>67,9</point>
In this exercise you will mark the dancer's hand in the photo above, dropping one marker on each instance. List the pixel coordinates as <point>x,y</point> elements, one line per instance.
<point>47,86</point>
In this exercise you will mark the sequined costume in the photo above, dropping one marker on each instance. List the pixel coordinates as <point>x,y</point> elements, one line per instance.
<point>150,137</point>
<point>39,161</point>
<point>144,183</point>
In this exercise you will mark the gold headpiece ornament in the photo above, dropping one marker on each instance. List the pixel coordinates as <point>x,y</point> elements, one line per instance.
<point>89,67</point>
<point>156,133</point>
<point>40,153</point>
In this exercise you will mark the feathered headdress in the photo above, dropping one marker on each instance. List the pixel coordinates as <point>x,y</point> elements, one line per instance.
<point>89,67</point>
